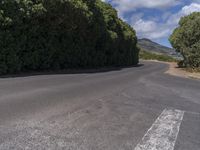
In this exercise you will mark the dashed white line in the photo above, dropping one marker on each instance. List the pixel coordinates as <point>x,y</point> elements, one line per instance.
<point>163,133</point>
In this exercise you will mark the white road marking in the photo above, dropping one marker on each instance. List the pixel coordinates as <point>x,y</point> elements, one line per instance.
<point>163,133</point>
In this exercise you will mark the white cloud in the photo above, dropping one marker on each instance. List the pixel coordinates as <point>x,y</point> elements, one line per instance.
<point>130,5</point>
<point>191,8</point>
<point>150,29</point>
<point>186,10</point>
<point>145,26</point>
<point>155,29</point>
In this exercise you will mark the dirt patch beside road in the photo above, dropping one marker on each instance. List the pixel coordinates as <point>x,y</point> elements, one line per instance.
<point>174,70</point>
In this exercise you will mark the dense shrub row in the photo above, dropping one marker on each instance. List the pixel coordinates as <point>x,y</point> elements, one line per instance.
<point>186,40</point>
<point>61,34</point>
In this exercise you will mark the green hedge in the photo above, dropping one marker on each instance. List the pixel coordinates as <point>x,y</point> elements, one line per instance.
<point>62,34</point>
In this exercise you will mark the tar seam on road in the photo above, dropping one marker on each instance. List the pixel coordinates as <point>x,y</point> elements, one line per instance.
<point>163,133</point>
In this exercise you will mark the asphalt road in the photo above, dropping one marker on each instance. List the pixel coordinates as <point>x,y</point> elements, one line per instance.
<point>132,108</point>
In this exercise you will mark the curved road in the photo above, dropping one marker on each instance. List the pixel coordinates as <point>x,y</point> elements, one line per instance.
<point>116,110</point>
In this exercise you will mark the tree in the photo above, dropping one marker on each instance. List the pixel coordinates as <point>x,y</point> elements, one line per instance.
<point>186,40</point>
<point>62,34</point>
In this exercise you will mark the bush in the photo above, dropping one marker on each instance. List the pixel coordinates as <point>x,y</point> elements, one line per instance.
<point>145,55</point>
<point>62,34</point>
<point>186,40</point>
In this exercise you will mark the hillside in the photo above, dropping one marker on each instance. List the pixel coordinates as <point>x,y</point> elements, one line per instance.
<point>150,46</point>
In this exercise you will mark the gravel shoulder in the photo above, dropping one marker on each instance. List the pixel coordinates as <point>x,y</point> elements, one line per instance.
<point>174,70</point>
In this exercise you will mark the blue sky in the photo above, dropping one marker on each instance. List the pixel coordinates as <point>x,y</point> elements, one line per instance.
<point>154,19</point>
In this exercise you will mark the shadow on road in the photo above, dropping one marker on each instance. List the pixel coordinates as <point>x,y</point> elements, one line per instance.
<point>69,71</point>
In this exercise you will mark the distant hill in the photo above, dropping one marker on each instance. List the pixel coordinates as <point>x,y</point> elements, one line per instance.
<point>148,45</point>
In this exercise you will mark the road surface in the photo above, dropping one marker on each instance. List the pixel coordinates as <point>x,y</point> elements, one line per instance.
<point>137,108</point>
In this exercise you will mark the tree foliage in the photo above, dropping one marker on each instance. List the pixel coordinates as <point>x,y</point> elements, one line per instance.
<point>61,34</point>
<point>186,40</point>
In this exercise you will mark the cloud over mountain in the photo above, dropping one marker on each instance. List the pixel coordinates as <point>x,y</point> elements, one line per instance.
<point>154,19</point>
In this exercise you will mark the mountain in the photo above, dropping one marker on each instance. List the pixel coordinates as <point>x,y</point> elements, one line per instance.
<point>148,45</point>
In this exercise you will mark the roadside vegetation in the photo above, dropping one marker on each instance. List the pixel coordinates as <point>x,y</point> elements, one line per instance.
<point>62,34</point>
<point>145,55</point>
<point>186,40</point>
<point>192,70</point>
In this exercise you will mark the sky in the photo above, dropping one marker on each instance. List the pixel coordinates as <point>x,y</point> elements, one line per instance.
<point>154,19</point>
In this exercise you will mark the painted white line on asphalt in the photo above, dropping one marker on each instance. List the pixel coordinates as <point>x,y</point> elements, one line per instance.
<point>163,133</point>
